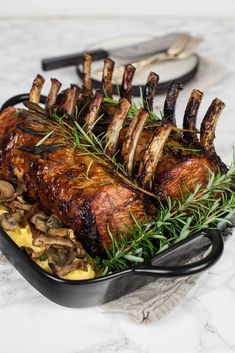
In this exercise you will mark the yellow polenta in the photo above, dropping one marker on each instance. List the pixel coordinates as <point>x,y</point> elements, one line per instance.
<point>23,237</point>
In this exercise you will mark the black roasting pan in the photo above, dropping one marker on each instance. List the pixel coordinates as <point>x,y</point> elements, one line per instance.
<point>100,290</point>
<point>173,262</point>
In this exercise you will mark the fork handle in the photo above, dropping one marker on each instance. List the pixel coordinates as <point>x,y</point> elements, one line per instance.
<point>72,59</point>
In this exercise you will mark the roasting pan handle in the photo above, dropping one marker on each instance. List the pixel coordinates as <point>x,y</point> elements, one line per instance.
<point>217,246</point>
<point>20,98</point>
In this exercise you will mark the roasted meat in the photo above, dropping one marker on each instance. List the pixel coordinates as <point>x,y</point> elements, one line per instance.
<point>158,158</point>
<point>85,195</point>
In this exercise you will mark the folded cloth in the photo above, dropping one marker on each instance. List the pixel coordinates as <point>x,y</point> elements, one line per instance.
<point>152,302</point>
<point>155,300</point>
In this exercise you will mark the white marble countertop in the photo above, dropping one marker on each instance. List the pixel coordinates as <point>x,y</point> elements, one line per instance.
<point>204,321</point>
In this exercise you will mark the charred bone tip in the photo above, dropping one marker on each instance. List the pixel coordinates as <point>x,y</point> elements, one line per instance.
<point>114,128</point>
<point>107,76</point>
<point>87,61</point>
<point>153,154</point>
<point>170,102</point>
<point>132,138</point>
<point>67,103</point>
<point>150,90</point>
<point>208,126</point>
<point>190,115</point>
<point>125,91</point>
<point>94,109</point>
<point>35,92</point>
<point>52,95</point>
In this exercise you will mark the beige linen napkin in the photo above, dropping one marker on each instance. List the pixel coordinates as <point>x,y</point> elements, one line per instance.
<point>155,300</point>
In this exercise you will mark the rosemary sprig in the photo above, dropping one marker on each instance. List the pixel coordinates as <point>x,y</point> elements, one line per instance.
<point>93,145</point>
<point>134,108</point>
<point>188,149</point>
<point>176,220</point>
<point>44,138</point>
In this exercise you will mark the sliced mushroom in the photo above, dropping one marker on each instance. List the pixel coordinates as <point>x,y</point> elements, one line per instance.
<point>14,205</point>
<point>39,254</point>
<point>10,221</point>
<point>4,207</point>
<point>114,128</point>
<point>152,155</point>
<point>132,138</point>
<point>54,222</point>
<point>20,189</point>
<point>81,253</point>
<point>39,220</point>
<point>61,256</point>
<point>59,232</point>
<point>7,191</point>
<point>43,240</point>
<point>62,271</point>
<point>35,92</point>
<point>71,235</point>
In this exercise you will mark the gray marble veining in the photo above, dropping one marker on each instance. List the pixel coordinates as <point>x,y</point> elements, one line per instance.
<point>205,320</point>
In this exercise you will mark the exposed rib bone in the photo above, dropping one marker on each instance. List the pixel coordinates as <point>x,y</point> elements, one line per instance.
<point>170,102</point>
<point>107,76</point>
<point>67,100</point>
<point>125,91</point>
<point>113,131</point>
<point>150,90</point>
<point>152,155</point>
<point>94,109</point>
<point>87,84</point>
<point>52,95</point>
<point>35,92</point>
<point>190,116</point>
<point>209,123</point>
<point>132,139</point>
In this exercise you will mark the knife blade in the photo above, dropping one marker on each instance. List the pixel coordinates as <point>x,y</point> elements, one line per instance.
<point>131,52</point>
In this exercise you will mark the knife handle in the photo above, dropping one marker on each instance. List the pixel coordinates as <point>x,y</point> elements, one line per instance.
<point>72,59</point>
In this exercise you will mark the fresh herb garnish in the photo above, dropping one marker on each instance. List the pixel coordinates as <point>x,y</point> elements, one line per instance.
<point>43,257</point>
<point>44,138</point>
<point>188,149</point>
<point>176,220</point>
<point>133,110</point>
<point>93,145</point>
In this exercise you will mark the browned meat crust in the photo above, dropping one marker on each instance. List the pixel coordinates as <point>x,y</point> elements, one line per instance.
<point>183,177</point>
<point>87,197</point>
